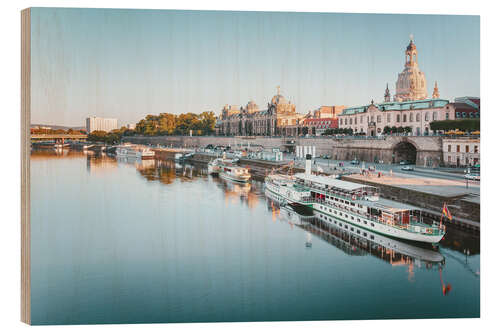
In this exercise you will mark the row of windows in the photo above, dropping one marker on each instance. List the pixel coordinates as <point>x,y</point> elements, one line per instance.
<point>476,149</point>
<point>346,226</point>
<point>404,119</point>
<point>464,115</point>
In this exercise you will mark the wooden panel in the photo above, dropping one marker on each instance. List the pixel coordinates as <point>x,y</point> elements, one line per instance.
<point>25,165</point>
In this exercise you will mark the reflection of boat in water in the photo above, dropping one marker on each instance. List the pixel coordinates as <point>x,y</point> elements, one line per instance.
<point>355,203</point>
<point>134,151</point>
<point>345,235</point>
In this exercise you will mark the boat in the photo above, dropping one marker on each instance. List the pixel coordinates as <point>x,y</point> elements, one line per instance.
<point>137,152</point>
<point>227,169</point>
<point>357,204</point>
<point>324,226</point>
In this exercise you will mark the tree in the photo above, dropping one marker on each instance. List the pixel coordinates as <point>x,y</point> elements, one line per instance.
<point>467,125</point>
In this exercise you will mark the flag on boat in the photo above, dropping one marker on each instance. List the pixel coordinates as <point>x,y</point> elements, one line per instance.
<point>446,212</point>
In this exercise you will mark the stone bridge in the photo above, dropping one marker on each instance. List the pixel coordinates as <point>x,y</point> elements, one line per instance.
<point>423,150</point>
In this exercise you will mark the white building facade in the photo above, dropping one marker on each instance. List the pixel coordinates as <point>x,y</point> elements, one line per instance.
<point>461,151</point>
<point>100,124</point>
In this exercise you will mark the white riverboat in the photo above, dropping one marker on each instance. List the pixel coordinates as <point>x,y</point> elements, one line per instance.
<point>322,224</point>
<point>137,152</point>
<point>227,169</point>
<point>358,204</point>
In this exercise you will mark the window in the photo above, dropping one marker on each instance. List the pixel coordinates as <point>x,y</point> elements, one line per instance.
<point>434,116</point>
<point>411,117</point>
<point>427,116</point>
<point>379,119</point>
<point>457,114</point>
<point>449,159</point>
<point>449,148</point>
<point>418,117</point>
<point>447,116</point>
<point>356,121</point>
<point>398,119</point>
<point>388,118</point>
<point>404,118</point>
<point>350,121</point>
<point>458,148</point>
<point>464,115</point>
<point>476,149</point>
<point>467,148</point>
<point>361,119</point>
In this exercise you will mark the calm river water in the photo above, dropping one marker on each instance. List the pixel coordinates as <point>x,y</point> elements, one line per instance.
<point>127,242</point>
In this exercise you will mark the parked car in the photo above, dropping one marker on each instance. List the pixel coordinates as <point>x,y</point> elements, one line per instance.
<point>380,162</point>
<point>355,162</point>
<point>371,168</point>
<point>407,168</point>
<point>472,176</point>
<point>404,162</point>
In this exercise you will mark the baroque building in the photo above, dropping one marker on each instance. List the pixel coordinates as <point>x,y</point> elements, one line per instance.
<point>278,118</point>
<point>411,84</point>
<point>410,106</point>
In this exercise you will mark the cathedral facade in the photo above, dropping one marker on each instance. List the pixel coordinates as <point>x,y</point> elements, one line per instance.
<point>279,118</point>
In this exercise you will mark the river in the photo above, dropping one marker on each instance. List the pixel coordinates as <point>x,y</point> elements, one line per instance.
<point>117,241</point>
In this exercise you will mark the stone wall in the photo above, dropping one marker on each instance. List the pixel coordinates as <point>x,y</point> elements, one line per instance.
<point>429,149</point>
<point>461,208</point>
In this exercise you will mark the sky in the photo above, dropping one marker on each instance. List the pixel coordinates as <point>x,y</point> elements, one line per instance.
<point>127,64</point>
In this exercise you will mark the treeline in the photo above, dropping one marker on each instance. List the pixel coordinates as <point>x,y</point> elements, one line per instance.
<point>333,131</point>
<point>466,125</point>
<point>112,137</point>
<point>182,124</point>
<point>398,129</point>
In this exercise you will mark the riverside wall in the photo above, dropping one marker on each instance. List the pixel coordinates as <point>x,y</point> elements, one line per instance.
<point>428,149</point>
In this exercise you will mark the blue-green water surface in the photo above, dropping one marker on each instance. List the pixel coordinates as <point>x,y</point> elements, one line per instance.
<point>141,242</point>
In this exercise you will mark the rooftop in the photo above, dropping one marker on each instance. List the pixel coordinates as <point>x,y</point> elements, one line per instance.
<point>397,106</point>
<point>332,182</point>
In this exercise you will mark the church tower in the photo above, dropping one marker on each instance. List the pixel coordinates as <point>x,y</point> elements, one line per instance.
<point>435,93</point>
<point>411,83</point>
<point>387,95</point>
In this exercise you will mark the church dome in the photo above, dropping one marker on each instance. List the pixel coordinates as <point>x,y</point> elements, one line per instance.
<point>279,99</point>
<point>411,83</point>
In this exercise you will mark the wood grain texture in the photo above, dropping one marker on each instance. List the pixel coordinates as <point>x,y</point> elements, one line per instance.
<point>25,165</point>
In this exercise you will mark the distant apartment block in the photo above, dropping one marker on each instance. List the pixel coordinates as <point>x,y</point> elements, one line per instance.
<point>100,124</point>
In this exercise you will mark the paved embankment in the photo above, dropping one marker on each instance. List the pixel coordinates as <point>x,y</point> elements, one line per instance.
<point>429,196</point>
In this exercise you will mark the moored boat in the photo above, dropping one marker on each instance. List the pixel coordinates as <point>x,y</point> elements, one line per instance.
<point>138,152</point>
<point>355,203</point>
<point>227,169</point>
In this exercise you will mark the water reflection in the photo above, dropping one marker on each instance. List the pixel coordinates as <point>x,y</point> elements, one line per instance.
<point>228,249</point>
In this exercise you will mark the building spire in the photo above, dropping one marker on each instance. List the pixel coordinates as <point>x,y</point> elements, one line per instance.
<point>435,93</point>
<point>387,95</point>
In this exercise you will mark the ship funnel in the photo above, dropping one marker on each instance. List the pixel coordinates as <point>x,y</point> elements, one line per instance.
<point>308,164</point>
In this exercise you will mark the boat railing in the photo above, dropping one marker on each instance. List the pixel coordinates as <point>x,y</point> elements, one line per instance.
<point>427,229</point>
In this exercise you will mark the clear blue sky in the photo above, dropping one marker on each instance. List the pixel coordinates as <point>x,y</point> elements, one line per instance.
<point>126,64</point>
